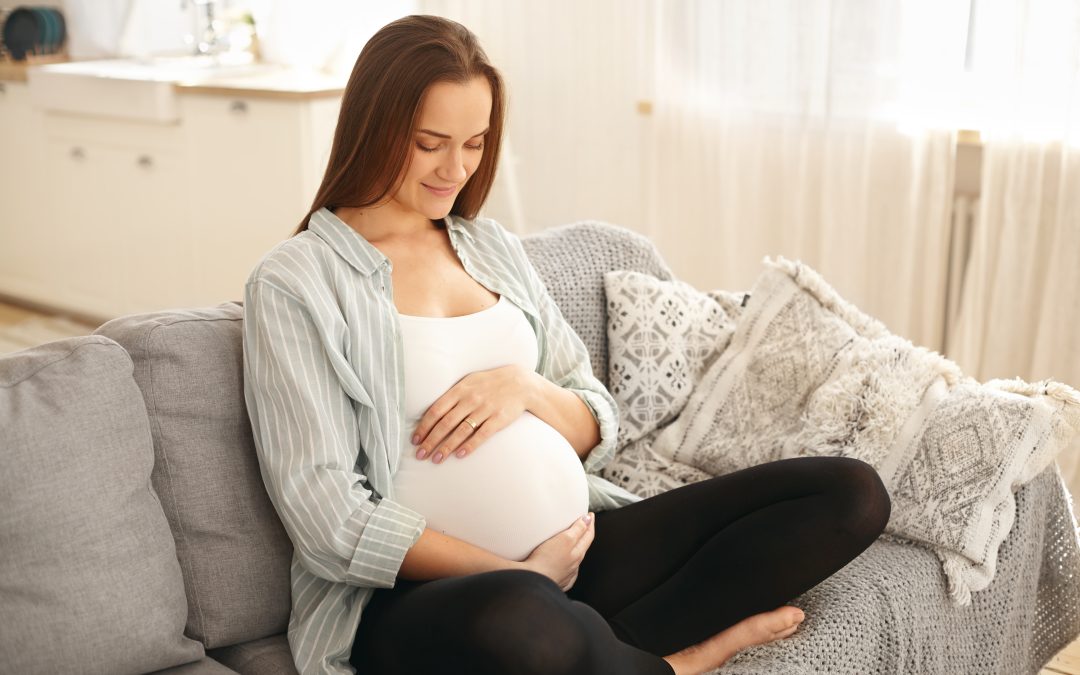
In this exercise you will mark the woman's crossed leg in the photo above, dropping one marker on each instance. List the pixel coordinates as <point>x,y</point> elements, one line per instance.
<point>508,622</point>
<point>672,570</point>
<point>680,570</point>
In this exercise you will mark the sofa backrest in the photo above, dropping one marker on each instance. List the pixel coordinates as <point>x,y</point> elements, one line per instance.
<point>573,259</point>
<point>233,551</point>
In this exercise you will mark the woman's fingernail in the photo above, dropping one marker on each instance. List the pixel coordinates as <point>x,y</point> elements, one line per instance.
<point>460,453</point>
<point>437,458</point>
<point>422,453</point>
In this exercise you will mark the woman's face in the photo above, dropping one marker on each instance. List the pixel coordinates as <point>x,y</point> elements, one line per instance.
<point>447,148</point>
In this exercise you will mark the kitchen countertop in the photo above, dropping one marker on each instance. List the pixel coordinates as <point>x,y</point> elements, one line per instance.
<point>286,83</point>
<point>15,71</point>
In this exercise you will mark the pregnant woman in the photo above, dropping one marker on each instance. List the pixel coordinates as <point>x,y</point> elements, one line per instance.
<point>429,428</point>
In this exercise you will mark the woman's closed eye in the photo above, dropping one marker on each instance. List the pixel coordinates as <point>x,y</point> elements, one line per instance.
<point>427,149</point>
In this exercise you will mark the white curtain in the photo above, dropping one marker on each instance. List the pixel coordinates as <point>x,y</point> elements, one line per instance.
<point>802,128</point>
<point>1020,302</point>
<point>788,127</point>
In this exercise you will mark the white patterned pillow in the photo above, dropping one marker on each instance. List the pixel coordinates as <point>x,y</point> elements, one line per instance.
<point>661,336</point>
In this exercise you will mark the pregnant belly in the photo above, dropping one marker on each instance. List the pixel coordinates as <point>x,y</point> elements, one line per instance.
<point>521,487</point>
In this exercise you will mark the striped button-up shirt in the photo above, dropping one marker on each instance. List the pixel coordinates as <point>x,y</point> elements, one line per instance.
<point>323,382</point>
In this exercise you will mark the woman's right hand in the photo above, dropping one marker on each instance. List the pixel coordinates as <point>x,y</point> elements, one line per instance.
<point>558,558</point>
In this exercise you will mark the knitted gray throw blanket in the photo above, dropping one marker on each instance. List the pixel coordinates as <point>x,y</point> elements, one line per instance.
<point>806,373</point>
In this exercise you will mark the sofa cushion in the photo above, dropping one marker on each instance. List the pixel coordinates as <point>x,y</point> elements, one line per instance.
<point>268,656</point>
<point>207,666</point>
<point>233,551</point>
<point>88,566</point>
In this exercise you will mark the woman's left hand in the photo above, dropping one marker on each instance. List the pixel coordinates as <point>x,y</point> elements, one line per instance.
<point>489,399</point>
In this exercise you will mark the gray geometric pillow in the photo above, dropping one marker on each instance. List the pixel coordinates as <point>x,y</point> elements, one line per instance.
<point>661,336</point>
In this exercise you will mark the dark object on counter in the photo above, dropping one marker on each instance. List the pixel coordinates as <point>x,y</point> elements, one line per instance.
<point>34,30</point>
<point>21,30</point>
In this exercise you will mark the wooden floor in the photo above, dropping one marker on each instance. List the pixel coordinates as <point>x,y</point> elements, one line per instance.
<point>1067,662</point>
<point>22,327</point>
<point>10,314</point>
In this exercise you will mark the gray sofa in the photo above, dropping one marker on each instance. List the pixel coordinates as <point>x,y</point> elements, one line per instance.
<point>136,535</point>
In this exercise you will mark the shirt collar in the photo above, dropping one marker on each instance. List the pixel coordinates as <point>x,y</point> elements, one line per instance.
<point>354,248</point>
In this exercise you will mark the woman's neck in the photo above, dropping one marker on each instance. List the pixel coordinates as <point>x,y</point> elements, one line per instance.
<point>385,222</point>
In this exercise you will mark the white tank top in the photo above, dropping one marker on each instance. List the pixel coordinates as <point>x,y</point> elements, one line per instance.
<point>521,486</point>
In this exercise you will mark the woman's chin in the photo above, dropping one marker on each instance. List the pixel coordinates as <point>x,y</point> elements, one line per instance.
<point>438,213</point>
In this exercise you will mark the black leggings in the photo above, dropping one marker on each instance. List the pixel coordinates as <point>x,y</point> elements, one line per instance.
<point>661,574</point>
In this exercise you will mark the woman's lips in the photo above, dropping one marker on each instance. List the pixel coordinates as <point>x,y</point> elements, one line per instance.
<point>439,193</point>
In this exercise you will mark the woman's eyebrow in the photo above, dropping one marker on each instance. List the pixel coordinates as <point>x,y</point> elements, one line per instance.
<point>436,133</point>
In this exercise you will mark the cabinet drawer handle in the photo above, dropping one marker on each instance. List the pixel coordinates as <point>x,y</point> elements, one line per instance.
<point>77,153</point>
<point>145,161</point>
<point>238,107</point>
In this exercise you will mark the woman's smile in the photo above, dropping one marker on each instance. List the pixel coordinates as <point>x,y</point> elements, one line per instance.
<point>440,193</point>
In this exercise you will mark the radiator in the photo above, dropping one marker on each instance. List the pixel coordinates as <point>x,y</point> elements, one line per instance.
<point>965,213</point>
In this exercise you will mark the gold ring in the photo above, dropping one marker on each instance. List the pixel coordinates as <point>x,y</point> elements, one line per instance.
<point>472,424</point>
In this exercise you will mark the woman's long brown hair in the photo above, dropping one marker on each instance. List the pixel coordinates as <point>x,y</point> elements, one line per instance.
<point>380,113</point>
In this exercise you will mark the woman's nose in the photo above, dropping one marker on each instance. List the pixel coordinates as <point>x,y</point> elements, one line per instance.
<point>453,169</point>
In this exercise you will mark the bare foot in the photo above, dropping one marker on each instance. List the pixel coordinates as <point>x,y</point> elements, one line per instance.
<point>754,630</point>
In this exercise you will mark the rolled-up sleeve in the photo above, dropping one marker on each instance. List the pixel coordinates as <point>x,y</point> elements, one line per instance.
<point>306,434</point>
<point>567,361</point>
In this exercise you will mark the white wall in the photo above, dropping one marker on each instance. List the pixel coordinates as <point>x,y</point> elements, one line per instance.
<point>595,167</point>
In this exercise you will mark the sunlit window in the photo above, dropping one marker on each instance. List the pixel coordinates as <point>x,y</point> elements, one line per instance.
<point>920,64</point>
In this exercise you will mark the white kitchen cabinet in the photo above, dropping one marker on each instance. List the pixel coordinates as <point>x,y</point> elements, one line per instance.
<point>122,242</point>
<point>255,164</point>
<point>159,249</point>
<point>103,217</point>
<point>24,265</point>
<point>85,256</point>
